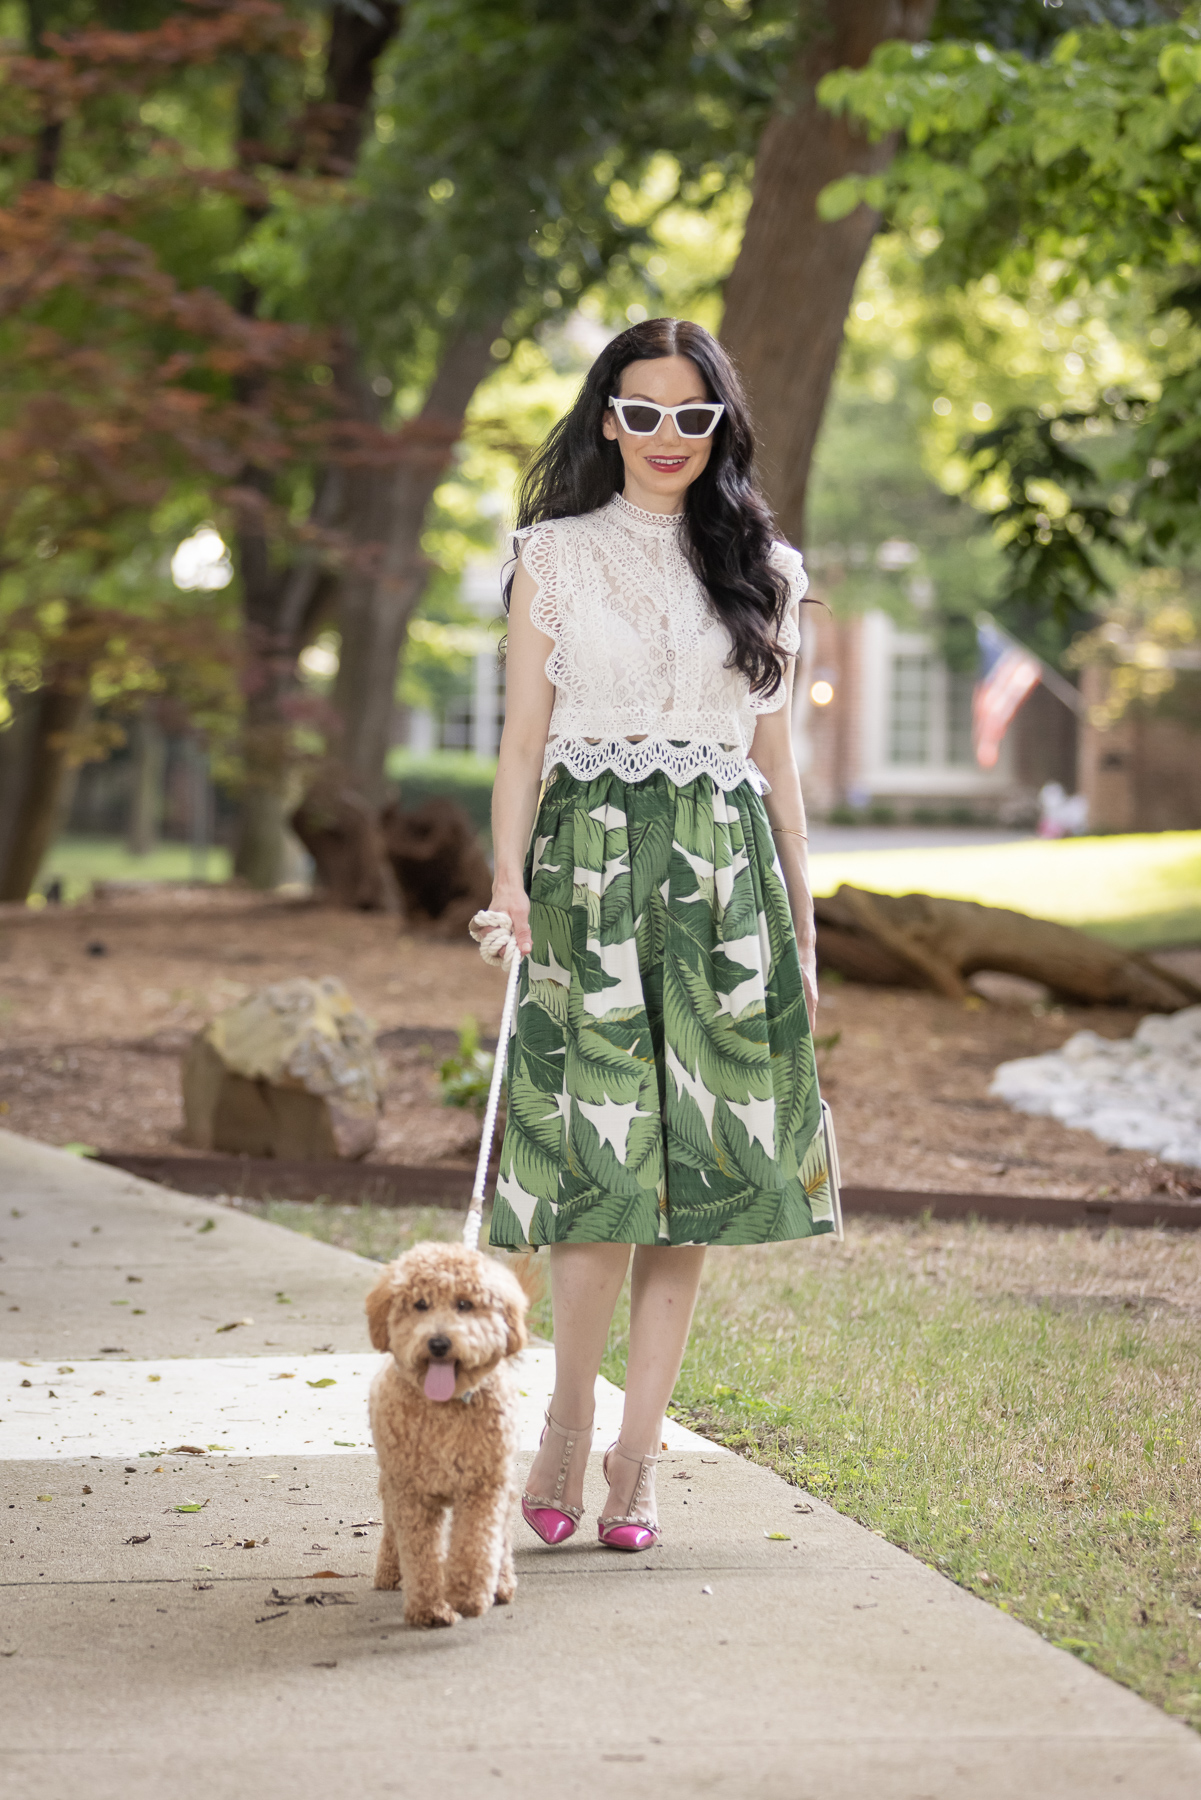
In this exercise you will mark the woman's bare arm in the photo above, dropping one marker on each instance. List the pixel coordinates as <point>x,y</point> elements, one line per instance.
<point>773,754</point>
<point>529,697</point>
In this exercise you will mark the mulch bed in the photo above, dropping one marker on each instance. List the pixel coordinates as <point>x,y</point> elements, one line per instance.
<point>98,1002</point>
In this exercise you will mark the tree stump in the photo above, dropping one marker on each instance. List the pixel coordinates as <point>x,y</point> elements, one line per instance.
<point>439,865</point>
<point>925,941</point>
<point>341,833</point>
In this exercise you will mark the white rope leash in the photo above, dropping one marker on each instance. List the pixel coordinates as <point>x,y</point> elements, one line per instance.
<point>499,948</point>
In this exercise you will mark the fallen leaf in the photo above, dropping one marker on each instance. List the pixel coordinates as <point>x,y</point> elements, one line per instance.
<point>187,1450</point>
<point>343,1444</point>
<point>330,1665</point>
<point>189,1506</point>
<point>289,1377</point>
<point>778,1537</point>
<point>209,1225</point>
<point>330,1575</point>
<point>682,1475</point>
<point>331,1599</point>
<point>144,1539</point>
<point>325,1381</point>
<point>87,1490</point>
<point>27,1382</point>
<point>65,1369</point>
<point>201,1587</point>
<point>233,1325</point>
<point>154,1378</point>
<point>50,1394</point>
<point>45,1496</point>
<point>282,1299</point>
<point>97,1393</point>
<point>267,1618</point>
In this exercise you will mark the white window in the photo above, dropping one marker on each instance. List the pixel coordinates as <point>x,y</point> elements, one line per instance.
<point>909,708</point>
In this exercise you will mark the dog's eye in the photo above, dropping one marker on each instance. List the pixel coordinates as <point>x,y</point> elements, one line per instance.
<point>465,1305</point>
<point>421,1306</point>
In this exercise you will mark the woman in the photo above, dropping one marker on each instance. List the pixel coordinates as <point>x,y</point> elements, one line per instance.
<point>661,1091</point>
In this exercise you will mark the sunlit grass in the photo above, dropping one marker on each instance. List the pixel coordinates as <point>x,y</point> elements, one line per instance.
<point>1140,891</point>
<point>1020,1409</point>
<point>79,861</point>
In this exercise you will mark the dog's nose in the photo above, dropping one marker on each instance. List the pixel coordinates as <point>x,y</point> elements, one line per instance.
<point>439,1346</point>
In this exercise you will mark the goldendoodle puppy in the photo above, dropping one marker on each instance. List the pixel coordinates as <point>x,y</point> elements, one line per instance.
<point>444,1421</point>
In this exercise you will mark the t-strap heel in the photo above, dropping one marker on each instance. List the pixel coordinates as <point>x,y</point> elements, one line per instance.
<point>626,1531</point>
<point>553,1520</point>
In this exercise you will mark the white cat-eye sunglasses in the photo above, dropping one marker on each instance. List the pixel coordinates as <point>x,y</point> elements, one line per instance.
<point>642,418</point>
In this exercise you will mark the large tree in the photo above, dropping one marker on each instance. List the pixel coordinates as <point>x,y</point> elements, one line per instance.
<point>484,207</point>
<point>1075,171</point>
<point>132,395</point>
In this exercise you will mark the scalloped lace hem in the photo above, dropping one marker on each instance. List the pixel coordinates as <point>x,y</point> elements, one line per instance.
<point>680,762</point>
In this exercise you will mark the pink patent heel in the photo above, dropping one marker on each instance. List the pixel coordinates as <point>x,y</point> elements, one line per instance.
<point>553,1520</point>
<point>626,1531</point>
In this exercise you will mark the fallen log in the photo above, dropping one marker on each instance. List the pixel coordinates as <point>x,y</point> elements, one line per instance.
<point>926,941</point>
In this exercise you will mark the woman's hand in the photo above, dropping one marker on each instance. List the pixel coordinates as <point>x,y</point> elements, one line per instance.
<point>515,901</point>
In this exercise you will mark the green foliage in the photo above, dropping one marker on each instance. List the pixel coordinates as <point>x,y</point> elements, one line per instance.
<point>465,1077</point>
<point>1075,174</point>
<point>509,138</point>
<point>450,774</point>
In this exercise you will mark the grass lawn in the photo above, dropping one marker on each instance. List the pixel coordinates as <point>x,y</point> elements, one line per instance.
<point>79,861</point>
<point>1020,1409</point>
<point>1140,891</point>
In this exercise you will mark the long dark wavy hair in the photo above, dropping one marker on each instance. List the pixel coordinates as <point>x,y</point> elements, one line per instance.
<point>729,527</point>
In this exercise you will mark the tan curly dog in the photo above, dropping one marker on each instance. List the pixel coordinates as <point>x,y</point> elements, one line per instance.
<point>444,1421</point>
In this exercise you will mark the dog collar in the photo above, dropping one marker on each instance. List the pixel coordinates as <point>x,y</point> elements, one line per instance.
<point>469,1395</point>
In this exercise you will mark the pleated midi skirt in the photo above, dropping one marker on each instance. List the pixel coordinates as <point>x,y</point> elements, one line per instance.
<point>661,1079</point>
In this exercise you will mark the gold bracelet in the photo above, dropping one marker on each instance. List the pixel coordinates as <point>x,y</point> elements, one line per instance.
<point>788,831</point>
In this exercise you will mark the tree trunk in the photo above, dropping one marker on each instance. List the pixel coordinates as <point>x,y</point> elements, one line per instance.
<point>924,941</point>
<point>16,760</point>
<point>278,604</point>
<point>146,788</point>
<point>788,294</point>
<point>58,710</point>
<point>388,507</point>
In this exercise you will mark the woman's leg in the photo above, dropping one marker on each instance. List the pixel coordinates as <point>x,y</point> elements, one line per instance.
<point>663,1292</point>
<point>585,1280</point>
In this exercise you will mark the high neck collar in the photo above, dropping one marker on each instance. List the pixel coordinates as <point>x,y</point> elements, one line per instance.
<point>650,521</point>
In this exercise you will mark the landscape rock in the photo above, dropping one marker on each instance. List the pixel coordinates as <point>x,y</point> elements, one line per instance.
<point>291,1071</point>
<point>1142,1092</point>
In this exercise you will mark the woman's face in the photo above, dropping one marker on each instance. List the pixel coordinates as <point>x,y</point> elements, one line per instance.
<point>660,469</point>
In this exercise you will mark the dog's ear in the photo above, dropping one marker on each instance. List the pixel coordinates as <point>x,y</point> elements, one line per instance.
<point>379,1305</point>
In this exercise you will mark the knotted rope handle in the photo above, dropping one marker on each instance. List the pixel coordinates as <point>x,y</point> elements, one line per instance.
<point>493,932</point>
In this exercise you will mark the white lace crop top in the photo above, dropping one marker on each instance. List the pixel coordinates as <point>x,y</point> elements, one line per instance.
<point>639,652</point>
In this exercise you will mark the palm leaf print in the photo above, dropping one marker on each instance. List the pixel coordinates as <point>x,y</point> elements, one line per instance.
<point>662,1085</point>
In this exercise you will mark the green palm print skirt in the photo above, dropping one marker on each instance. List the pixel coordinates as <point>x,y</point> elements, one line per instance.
<point>661,1082</point>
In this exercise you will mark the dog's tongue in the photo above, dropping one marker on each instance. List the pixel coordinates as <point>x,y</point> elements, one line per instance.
<point>440,1381</point>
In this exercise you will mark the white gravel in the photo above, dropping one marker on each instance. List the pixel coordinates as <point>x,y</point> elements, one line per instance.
<point>1142,1093</point>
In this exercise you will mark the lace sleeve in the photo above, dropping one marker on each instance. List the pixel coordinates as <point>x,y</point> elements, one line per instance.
<point>535,548</point>
<point>789,564</point>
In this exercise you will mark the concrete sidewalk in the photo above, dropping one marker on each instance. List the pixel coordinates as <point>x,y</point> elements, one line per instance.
<point>149,1652</point>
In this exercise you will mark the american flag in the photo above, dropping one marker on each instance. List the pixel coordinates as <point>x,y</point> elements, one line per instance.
<point>1007,674</point>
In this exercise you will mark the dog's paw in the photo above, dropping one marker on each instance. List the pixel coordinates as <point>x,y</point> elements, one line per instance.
<point>428,1616</point>
<point>470,1606</point>
<point>387,1579</point>
<point>505,1591</point>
